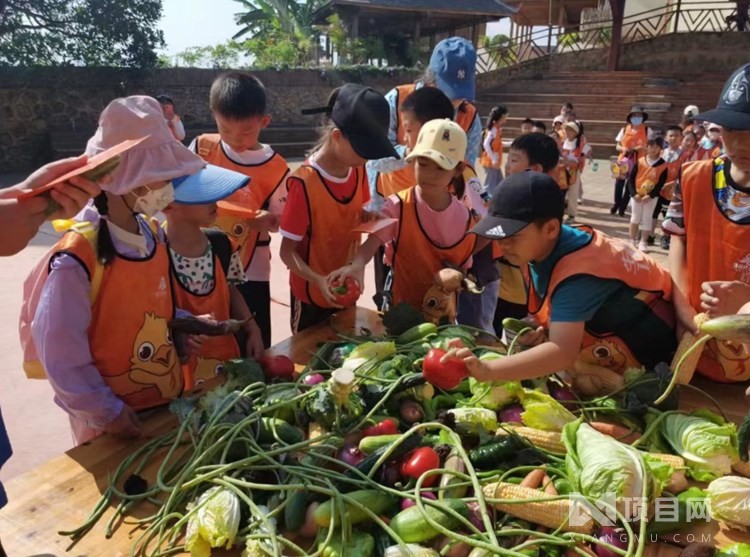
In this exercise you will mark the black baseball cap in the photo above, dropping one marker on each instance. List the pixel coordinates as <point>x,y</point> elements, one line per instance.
<point>518,201</point>
<point>363,116</point>
<point>733,110</point>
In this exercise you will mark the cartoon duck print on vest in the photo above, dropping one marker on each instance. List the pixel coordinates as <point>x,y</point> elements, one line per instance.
<point>209,373</point>
<point>602,352</point>
<point>439,306</point>
<point>731,356</point>
<point>154,358</point>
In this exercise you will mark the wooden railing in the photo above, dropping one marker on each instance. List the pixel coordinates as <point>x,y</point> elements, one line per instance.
<point>678,17</point>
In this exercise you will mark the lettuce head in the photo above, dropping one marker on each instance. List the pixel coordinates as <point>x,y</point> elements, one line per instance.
<point>729,501</point>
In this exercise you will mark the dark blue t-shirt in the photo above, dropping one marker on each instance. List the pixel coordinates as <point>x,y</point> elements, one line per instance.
<point>577,298</point>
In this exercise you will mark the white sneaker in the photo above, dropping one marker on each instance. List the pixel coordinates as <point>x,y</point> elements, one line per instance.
<point>643,246</point>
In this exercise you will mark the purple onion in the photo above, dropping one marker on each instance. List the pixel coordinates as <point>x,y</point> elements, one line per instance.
<point>406,503</point>
<point>475,516</point>
<point>313,379</point>
<point>563,394</point>
<point>510,414</point>
<point>613,536</point>
<point>351,455</point>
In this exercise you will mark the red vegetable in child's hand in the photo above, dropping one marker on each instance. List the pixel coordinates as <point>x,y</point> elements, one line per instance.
<point>277,367</point>
<point>420,461</point>
<point>348,293</point>
<point>444,376</point>
<point>386,427</point>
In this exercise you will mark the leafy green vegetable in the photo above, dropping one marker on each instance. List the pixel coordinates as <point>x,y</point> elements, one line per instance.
<point>283,394</point>
<point>214,524</point>
<point>395,367</point>
<point>324,406</point>
<point>599,465</point>
<point>492,395</point>
<point>728,499</point>
<point>734,550</point>
<point>541,411</point>
<point>474,420</point>
<point>704,440</point>
<point>366,357</point>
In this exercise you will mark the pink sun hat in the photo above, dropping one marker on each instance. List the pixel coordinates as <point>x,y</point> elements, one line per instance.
<point>159,157</point>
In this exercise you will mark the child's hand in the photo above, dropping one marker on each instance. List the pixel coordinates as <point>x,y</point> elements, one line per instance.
<point>533,338</point>
<point>476,368</point>
<point>126,425</point>
<point>265,221</point>
<point>254,346</point>
<point>352,270</point>
<point>724,297</point>
<point>324,285</point>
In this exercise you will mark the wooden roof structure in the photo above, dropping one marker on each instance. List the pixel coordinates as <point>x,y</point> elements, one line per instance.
<point>415,18</point>
<point>546,12</point>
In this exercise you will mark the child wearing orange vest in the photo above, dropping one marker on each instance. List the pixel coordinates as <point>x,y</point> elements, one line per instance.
<point>646,180</point>
<point>573,152</point>
<point>601,301</point>
<point>709,222</point>
<point>432,226</point>
<point>631,142</point>
<point>492,154</point>
<point>710,146</point>
<point>100,327</point>
<point>674,156</point>
<point>239,106</point>
<point>326,197</point>
<point>206,268</point>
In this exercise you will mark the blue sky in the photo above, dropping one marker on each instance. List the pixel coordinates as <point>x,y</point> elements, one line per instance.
<point>189,23</point>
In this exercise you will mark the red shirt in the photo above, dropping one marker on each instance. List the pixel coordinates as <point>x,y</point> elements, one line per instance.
<point>295,220</point>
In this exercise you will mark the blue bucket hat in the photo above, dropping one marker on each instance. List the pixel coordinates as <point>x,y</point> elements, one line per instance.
<point>454,63</point>
<point>208,185</point>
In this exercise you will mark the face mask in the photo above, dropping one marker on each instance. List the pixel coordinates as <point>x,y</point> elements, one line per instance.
<point>154,201</point>
<point>636,120</point>
<point>707,143</point>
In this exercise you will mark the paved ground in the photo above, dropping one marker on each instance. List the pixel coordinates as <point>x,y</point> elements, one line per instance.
<point>39,429</point>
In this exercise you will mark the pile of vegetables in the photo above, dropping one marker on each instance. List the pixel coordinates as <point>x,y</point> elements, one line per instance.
<point>377,449</point>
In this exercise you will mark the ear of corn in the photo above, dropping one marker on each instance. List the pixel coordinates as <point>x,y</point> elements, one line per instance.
<point>552,513</point>
<point>676,462</point>
<point>547,440</point>
<point>593,380</point>
<point>687,369</point>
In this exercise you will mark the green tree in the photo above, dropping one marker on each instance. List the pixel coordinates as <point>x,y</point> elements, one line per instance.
<point>291,16</point>
<point>80,32</point>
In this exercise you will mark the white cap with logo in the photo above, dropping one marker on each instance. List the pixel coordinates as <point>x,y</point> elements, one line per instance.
<point>442,141</point>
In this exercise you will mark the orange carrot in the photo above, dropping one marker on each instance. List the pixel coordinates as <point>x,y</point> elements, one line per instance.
<point>549,486</point>
<point>534,478</point>
<point>618,432</point>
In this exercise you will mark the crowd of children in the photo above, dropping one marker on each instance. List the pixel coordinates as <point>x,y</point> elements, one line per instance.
<point>97,307</point>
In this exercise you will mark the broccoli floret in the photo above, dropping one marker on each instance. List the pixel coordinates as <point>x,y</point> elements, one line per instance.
<point>402,317</point>
<point>241,373</point>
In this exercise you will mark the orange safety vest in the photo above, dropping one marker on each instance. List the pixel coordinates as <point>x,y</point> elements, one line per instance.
<point>647,177</point>
<point>203,371</point>
<point>466,113</point>
<point>265,179</point>
<point>402,92</point>
<point>388,183</point>
<point>634,139</point>
<point>717,249</point>
<point>567,176</point>
<point>130,342</point>
<point>329,243</point>
<point>416,258</point>
<point>497,147</point>
<point>623,335</point>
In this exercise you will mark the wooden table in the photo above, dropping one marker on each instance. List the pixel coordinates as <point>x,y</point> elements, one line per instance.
<point>60,494</point>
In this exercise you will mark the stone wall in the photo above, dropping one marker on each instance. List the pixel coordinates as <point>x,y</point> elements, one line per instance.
<point>694,53</point>
<point>38,106</point>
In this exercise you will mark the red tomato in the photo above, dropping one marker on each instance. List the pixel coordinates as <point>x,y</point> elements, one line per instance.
<point>386,427</point>
<point>277,366</point>
<point>348,293</point>
<point>444,376</point>
<point>420,461</point>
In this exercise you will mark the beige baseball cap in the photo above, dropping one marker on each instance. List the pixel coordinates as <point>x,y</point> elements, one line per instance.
<point>442,141</point>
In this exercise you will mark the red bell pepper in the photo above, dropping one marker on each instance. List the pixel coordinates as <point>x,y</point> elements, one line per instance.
<point>386,427</point>
<point>277,367</point>
<point>420,461</point>
<point>444,376</point>
<point>347,293</point>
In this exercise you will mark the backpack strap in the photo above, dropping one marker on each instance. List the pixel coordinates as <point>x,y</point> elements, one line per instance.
<point>221,246</point>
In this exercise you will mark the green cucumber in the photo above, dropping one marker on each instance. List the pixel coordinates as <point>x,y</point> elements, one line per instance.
<point>373,499</point>
<point>416,333</point>
<point>515,325</point>
<point>285,432</point>
<point>296,510</point>
<point>372,443</point>
<point>412,527</point>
